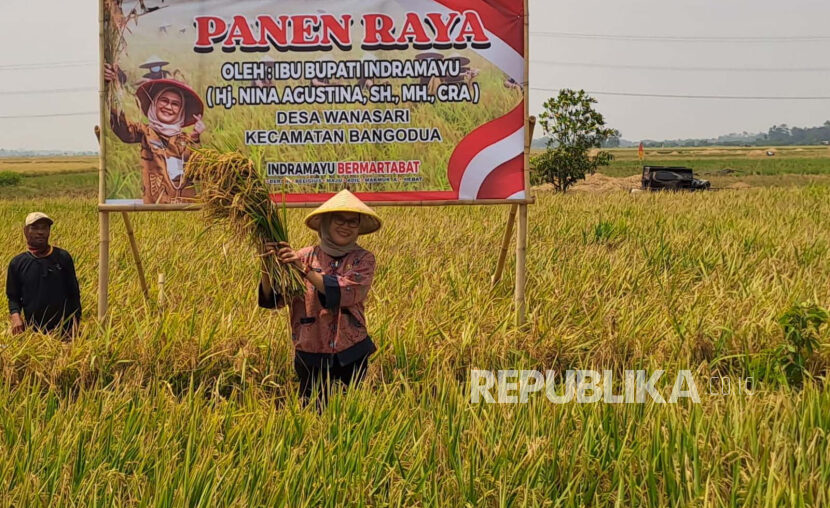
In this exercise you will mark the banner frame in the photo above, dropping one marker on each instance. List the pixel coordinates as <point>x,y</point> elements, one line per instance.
<point>139,207</point>
<point>104,209</point>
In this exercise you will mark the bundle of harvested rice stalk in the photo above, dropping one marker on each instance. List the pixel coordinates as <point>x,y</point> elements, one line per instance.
<point>232,190</point>
<point>115,23</point>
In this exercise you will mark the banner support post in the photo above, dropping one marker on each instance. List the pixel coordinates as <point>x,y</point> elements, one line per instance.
<point>511,220</point>
<point>103,263</point>
<point>505,244</point>
<point>142,279</point>
<point>103,216</point>
<point>521,267</point>
<point>521,240</point>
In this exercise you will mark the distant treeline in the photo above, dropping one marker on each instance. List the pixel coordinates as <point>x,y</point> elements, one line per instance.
<point>778,135</point>
<point>45,153</point>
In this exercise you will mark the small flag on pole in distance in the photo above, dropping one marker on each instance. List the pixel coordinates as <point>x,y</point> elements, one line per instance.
<point>641,152</point>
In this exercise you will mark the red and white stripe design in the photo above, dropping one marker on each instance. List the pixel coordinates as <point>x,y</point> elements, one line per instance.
<point>504,21</point>
<point>489,162</point>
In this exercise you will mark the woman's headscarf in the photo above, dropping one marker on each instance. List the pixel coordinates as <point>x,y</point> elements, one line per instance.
<point>166,129</point>
<point>326,242</point>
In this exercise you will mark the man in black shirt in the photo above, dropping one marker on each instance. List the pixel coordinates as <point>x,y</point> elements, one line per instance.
<point>42,284</point>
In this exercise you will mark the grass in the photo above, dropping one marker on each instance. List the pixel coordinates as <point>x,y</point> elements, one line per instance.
<point>728,166</point>
<point>83,185</point>
<point>78,176</point>
<point>42,166</point>
<point>195,406</point>
<point>733,162</point>
<point>43,177</point>
<point>733,167</point>
<point>9,179</point>
<point>722,161</point>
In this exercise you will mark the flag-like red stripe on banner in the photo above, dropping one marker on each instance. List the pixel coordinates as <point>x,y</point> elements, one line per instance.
<point>504,181</point>
<point>503,18</point>
<point>486,135</point>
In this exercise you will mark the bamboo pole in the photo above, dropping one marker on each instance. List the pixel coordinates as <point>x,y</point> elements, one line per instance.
<point>102,110</point>
<point>505,244</point>
<point>511,219</point>
<point>136,256</point>
<point>103,216</point>
<point>521,268</point>
<point>103,263</point>
<point>521,241</point>
<point>140,207</point>
<point>530,121</point>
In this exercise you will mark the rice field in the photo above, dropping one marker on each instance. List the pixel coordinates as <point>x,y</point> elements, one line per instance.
<point>42,166</point>
<point>50,177</point>
<point>724,167</point>
<point>732,162</point>
<point>193,404</point>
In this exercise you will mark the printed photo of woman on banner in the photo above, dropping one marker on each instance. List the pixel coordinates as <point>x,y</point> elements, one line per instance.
<point>169,106</point>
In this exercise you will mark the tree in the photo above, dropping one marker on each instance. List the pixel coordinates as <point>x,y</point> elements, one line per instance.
<point>779,135</point>
<point>576,133</point>
<point>611,142</point>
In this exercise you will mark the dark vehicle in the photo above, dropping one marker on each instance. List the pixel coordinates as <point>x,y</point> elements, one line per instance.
<point>672,178</point>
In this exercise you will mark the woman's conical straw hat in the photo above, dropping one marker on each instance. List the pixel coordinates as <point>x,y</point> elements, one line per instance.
<point>345,201</point>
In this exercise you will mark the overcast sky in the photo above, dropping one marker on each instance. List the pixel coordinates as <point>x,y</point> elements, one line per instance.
<point>771,58</point>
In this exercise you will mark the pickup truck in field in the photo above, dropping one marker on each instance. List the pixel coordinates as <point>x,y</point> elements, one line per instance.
<point>657,178</point>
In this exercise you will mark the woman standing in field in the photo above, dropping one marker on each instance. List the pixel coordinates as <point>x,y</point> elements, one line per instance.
<point>169,106</point>
<point>328,323</point>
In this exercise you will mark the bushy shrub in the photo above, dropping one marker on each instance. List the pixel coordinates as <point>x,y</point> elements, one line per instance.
<point>9,179</point>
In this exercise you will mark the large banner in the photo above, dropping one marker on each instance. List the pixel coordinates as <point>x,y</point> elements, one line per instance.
<point>397,100</point>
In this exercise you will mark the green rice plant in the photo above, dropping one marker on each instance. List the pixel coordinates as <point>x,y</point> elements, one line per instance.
<point>604,233</point>
<point>802,325</point>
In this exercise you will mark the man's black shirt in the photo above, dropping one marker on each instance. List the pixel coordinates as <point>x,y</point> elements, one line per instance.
<point>44,289</point>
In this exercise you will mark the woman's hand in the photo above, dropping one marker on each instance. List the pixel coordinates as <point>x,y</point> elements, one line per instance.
<point>110,73</point>
<point>288,256</point>
<point>199,126</point>
<point>269,249</point>
<point>284,253</point>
